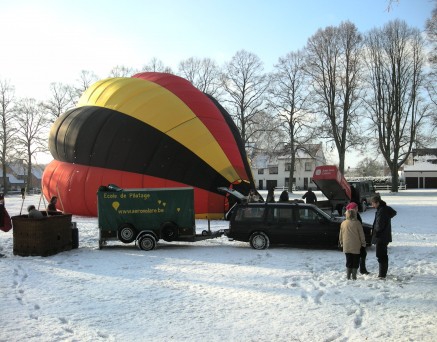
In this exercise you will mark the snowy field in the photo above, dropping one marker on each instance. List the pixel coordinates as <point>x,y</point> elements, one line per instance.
<point>217,290</point>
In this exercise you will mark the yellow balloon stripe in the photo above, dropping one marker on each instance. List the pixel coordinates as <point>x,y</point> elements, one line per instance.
<point>161,109</point>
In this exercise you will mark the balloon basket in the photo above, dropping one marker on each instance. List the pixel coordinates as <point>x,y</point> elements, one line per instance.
<point>42,237</point>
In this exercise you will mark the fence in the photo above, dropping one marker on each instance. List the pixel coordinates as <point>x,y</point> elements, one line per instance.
<point>388,187</point>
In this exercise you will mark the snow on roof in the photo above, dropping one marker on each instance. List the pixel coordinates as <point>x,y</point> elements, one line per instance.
<point>420,167</point>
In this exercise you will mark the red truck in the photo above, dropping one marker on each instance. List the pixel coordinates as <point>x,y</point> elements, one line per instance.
<point>339,191</point>
<point>334,186</point>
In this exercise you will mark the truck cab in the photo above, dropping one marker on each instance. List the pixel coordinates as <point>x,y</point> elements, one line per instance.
<point>362,193</point>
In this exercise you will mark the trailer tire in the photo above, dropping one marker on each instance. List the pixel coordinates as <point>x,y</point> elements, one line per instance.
<point>259,240</point>
<point>127,233</point>
<point>146,242</point>
<point>169,232</point>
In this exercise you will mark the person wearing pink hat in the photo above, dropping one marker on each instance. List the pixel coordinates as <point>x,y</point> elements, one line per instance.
<point>351,240</point>
<point>363,253</point>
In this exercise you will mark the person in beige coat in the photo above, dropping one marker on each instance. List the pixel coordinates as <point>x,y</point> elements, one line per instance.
<point>352,239</point>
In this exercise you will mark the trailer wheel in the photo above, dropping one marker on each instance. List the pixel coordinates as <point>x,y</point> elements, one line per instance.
<point>127,233</point>
<point>169,232</point>
<point>146,242</point>
<point>259,240</point>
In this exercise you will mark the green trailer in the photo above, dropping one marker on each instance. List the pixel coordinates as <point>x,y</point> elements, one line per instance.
<point>147,215</point>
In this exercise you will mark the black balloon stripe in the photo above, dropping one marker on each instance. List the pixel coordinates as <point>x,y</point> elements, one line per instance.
<point>106,138</point>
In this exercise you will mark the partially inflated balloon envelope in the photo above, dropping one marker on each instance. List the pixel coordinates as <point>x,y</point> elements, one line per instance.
<point>152,130</point>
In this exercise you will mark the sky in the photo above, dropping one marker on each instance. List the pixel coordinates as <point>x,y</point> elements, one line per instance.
<point>218,290</point>
<point>49,41</point>
<point>46,41</point>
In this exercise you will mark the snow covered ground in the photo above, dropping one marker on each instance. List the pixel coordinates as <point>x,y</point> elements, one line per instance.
<point>217,290</point>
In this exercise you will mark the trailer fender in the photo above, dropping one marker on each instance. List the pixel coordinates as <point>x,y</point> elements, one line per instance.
<point>144,232</point>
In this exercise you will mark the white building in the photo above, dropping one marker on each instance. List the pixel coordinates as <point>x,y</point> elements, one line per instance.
<point>420,172</point>
<point>273,170</point>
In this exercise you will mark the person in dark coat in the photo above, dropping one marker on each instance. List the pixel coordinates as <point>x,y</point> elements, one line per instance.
<point>284,196</point>
<point>271,195</point>
<point>381,236</point>
<point>363,253</point>
<point>52,204</point>
<point>310,197</point>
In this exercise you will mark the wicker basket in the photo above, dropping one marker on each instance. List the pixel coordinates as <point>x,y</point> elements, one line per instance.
<point>41,237</point>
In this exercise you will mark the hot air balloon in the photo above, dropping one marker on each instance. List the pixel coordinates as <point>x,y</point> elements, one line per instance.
<point>152,130</point>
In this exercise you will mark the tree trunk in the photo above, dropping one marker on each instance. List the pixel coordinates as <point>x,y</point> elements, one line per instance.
<point>394,178</point>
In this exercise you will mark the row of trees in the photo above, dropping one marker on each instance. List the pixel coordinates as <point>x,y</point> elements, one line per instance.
<point>352,90</point>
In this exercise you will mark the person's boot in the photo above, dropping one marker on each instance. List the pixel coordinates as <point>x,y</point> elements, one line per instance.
<point>383,268</point>
<point>363,269</point>
<point>348,272</point>
<point>354,273</point>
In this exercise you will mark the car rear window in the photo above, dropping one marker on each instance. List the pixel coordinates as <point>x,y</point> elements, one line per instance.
<point>250,214</point>
<point>308,215</point>
<point>283,214</point>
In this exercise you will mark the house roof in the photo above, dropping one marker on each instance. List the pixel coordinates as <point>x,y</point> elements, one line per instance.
<point>420,167</point>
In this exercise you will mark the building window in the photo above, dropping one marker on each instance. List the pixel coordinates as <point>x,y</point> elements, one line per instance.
<point>308,166</point>
<point>260,171</point>
<point>273,170</point>
<point>288,166</point>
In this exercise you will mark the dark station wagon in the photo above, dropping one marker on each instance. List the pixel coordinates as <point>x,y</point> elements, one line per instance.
<point>290,223</point>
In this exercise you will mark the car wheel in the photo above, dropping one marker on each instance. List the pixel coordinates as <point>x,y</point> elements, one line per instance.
<point>259,240</point>
<point>147,242</point>
<point>169,232</point>
<point>127,233</point>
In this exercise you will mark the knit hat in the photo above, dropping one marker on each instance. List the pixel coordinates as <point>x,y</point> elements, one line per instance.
<point>351,205</point>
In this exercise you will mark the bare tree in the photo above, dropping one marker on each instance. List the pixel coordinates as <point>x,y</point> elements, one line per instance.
<point>395,61</point>
<point>203,73</point>
<point>122,71</point>
<point>59,102</point>
<point>156,65</point>
<point>268,137</point>
<point>287,100</point>
<point>431,85</point>
<point>32,131</point>
<point>7,130</point>
<point>334,67</point>
<point>369,167</point>
<point>245,85</point>
<point>85,80</point>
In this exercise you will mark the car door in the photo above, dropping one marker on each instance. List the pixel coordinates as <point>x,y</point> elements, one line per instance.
<point>312,228</point>
<point>281,224</point>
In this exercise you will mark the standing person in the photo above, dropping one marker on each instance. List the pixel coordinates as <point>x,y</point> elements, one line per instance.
<point>363,253</point>
<point>284,196</point>
<point>23,193</point>
<point>271,195</point>
<point>310,197</point>
<point>381,236</point>
<point>5,219</point>
<point>351,239</point>
<point>252,197</point>
<point>52,204</point>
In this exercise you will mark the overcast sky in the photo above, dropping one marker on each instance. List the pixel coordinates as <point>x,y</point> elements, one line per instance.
<point>52,41</point>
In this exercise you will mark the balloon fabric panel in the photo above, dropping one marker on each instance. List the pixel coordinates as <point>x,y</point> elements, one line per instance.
<point>123,143</point>
<point>212,115</point>
<point>157,107</point>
